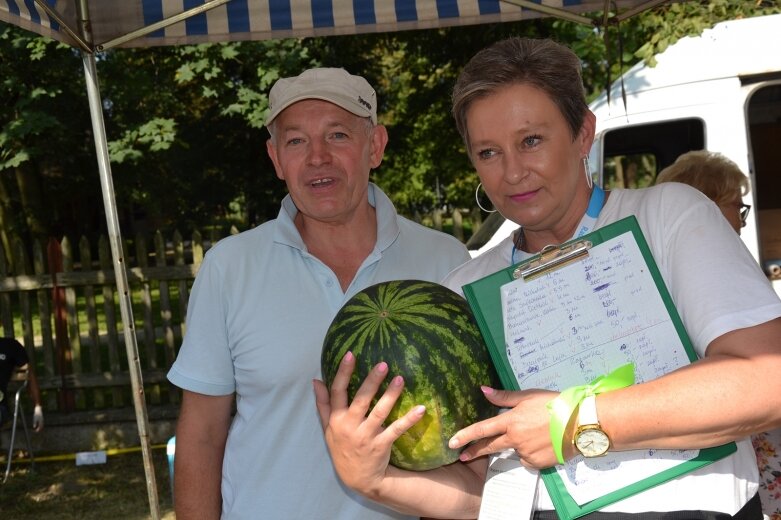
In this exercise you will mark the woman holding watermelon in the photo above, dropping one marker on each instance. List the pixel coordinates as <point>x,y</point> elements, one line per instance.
<point>519,106</point>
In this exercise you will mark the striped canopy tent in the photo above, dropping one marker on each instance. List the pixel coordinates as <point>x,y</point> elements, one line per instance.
<point>102,24</point>
<point>94,26</point>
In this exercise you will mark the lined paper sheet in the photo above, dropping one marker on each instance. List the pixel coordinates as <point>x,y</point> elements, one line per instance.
<point>510,489</point>
<point>581,321</point>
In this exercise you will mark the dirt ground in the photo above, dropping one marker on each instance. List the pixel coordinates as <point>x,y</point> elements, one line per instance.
<point>60,489</point>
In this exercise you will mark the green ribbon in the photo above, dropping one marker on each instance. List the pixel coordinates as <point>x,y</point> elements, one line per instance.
<point>562,407</point>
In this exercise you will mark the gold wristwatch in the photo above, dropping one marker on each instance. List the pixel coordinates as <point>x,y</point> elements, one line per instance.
<point>590,439</point>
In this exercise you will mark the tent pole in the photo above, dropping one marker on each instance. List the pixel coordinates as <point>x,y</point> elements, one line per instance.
<point>117,253</point>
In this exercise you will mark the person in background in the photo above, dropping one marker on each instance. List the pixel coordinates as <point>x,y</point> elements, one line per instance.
<point>520,107</point>
<point>263,300</point>
<point>12,357</point>
<point>721,180</point>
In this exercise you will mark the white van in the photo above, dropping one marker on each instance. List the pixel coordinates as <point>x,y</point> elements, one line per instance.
<point>720,91</point>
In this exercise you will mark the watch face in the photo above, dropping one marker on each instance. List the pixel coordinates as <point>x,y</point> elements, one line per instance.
<point>592,442</point>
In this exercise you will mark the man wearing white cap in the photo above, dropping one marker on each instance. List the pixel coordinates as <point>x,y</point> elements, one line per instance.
<point>263,300</point>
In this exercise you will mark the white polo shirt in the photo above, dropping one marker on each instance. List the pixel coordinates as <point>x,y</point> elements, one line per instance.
<point>258,313</point>
<point>717,287</point>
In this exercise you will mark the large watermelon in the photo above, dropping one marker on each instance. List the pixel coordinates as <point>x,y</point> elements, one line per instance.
<point>427,334</point>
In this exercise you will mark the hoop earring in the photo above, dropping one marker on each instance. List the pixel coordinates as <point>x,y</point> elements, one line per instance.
<point>477,199</point>
<point>589,178</point>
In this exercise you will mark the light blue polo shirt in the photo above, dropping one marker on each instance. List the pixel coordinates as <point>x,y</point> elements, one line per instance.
<point>258,313</point>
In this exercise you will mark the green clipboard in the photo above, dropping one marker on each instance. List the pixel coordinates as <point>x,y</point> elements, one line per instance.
<point>579,257</point>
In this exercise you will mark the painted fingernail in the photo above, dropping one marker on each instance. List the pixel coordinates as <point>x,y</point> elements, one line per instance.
<point>382,367</point>
<point>487,390</point>
<point>347,357</point>
<point>419,409</point>
<point>397,381</point>
<point>464,457</point>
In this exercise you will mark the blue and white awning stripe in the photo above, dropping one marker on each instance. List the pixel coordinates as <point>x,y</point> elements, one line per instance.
<point>265,19</point>
<point>262,19</point>
<point>27,9</point>
<point>27,15</point>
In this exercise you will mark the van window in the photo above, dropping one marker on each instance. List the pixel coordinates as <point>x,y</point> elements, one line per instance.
<point>764,119</point>
<point>633,155</point>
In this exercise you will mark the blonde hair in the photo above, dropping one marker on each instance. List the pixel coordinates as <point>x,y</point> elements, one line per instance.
<point>710,172</point>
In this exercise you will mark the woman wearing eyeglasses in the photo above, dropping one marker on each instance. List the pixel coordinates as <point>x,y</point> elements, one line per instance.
<point>723,182</point>
<point>717,177</point>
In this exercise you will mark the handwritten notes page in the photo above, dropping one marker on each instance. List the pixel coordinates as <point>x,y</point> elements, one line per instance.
<point>581,321</point>
<point>510,489</point>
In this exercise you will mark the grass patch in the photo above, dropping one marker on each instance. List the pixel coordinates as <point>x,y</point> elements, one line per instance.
<point>62,490</point>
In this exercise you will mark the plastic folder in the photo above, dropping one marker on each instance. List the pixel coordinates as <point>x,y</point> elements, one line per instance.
<point>579,310</point>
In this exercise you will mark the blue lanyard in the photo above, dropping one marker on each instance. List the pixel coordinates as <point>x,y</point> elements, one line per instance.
<point>587,223</point>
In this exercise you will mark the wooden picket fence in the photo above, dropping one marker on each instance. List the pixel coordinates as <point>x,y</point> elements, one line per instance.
<point>59,299</point>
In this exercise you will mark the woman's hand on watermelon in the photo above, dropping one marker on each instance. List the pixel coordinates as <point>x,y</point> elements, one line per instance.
<point>525,428</point>
<point>360,449</point>
<point>360,445</point>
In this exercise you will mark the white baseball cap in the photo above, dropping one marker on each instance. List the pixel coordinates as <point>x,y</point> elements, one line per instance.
<point>352,93</point>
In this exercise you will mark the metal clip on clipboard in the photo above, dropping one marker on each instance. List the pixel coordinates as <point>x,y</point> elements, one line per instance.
<point>552,257</point>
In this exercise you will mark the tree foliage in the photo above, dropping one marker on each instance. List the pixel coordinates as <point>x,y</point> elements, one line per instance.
<point>191,145</point>
<point>185,124</point>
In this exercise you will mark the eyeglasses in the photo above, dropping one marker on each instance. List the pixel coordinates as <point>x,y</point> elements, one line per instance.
<point>744,209</point>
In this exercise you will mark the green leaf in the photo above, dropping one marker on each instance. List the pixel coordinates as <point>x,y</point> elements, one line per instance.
<point>184,74</point>
<point>229,52</point>
<point>15,160</point>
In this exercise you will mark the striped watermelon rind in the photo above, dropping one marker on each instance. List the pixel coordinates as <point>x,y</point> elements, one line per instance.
<point>427,334</point>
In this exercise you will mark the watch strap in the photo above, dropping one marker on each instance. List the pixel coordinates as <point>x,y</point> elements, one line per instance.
<point>564,406</point>
<point>587,412</point>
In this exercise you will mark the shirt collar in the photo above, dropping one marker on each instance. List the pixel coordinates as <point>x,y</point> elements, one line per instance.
<point>387,224</point>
